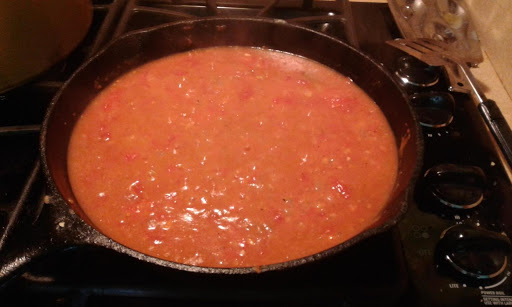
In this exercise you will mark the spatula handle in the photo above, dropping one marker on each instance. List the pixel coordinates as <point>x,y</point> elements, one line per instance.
<point>498,126</point>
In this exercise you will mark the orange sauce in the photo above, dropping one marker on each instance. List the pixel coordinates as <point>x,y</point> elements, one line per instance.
<point>232,157</point>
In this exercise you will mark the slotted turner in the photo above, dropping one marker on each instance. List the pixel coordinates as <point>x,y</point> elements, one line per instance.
<point>435,53</point>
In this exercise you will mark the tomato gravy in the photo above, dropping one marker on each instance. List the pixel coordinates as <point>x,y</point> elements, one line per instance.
<point>232,157</point>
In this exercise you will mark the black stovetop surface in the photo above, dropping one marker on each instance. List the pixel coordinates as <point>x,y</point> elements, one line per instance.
<point>393,268</point>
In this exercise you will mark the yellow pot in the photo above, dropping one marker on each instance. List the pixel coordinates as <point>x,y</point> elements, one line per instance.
<point>35,34</point>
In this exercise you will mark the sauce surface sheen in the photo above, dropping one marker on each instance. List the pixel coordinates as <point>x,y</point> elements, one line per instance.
<point>232,157</point>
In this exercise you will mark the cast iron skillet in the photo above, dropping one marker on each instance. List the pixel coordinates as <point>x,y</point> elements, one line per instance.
<point>70,228</point>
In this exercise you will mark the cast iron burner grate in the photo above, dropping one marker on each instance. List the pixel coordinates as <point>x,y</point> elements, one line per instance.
<point>97,277</point>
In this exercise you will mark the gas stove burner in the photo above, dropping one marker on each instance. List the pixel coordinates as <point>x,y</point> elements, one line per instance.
<point>434,110</point>
<point>412,71</point>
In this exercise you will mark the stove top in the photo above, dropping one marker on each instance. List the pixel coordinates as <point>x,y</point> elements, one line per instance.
<point>450,249</point>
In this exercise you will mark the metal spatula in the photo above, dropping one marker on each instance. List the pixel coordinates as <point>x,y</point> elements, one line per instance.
<point>435,53</point>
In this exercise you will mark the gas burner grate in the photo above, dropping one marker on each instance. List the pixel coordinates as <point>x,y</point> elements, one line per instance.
<point>71,278</point>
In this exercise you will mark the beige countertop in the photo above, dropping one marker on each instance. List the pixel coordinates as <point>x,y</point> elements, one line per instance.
<point>493,86</point>
<point>486,74</point>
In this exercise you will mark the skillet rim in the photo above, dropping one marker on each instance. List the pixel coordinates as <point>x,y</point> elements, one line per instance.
<point>404,198</point>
